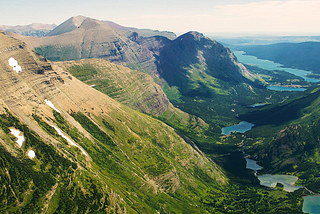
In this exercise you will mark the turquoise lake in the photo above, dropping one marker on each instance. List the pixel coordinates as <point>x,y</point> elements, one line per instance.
<point>282,88</point>
<point>311,204</point>
<point>270,65</point>
<point>242,127</point>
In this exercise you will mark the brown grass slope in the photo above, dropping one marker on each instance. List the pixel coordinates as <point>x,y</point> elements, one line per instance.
<point>132,88</point>
<point>94,39</point>
<point>145,159</point>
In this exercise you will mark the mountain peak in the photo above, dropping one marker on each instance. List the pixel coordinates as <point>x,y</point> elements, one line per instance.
<point>193,35</point>
<point>88,23</point>
<point>67,26</point>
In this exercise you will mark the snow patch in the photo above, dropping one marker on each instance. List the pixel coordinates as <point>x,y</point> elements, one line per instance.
<point>14,64</point>
<point>31,154</point>
<point>49,103</point>
<point>18,135</point>
<point>70,141</point>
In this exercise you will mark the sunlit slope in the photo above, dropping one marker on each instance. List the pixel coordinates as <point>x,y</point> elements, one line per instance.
<point>123,161</point>
<point>93,39</point>
<point>134,89</point>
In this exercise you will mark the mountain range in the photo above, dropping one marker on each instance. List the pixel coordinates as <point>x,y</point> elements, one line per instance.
<point>124,120</point>
<point>34,30</point>
<point>186,67</point>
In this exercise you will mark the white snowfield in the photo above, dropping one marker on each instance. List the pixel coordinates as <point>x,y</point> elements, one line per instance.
<point>31,154</point>
<point>49,103</point>
<point>14,64</point>
<point>17,133</point>
<point>70,141</point>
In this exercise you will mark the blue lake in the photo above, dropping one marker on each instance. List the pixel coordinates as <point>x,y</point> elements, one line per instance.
<point>311,204</point>
<point>252,164</point>
<point>272,180</point>
<point>270,65</point>
<point>242,127</point>
<point>282,88</point>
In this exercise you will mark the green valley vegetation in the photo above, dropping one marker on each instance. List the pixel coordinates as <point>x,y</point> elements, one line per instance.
<point>286,139</point>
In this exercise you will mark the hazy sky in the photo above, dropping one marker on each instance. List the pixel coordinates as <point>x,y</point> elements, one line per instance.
<point>227,16</point>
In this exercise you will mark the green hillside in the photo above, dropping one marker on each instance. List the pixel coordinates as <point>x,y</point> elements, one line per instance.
<point>126,161</point>
<point>287,138</point>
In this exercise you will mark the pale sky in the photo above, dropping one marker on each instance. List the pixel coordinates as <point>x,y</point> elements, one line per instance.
<point>218,16</point>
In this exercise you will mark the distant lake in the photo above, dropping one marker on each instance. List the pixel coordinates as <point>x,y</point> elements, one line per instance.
<point>252,164</point>
<point>272,180</point>
<point>282,88</point>
<point>242,127</point>
<point>258,105</point>
<point>311,204</point>
<point>270,65</point>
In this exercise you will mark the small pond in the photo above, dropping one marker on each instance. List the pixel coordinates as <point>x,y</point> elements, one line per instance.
<point>242,127</point>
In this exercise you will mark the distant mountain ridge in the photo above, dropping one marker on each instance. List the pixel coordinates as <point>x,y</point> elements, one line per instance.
<point>74,22</point>
<point>34,30</point>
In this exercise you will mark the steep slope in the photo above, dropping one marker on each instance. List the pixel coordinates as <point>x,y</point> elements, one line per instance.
<point>130,87</point>
<point>85,152</point>
<point>134,89</point>
<point>193,70</point>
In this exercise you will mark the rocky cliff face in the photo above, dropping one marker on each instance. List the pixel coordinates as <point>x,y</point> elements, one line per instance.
<point>85,152</point>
